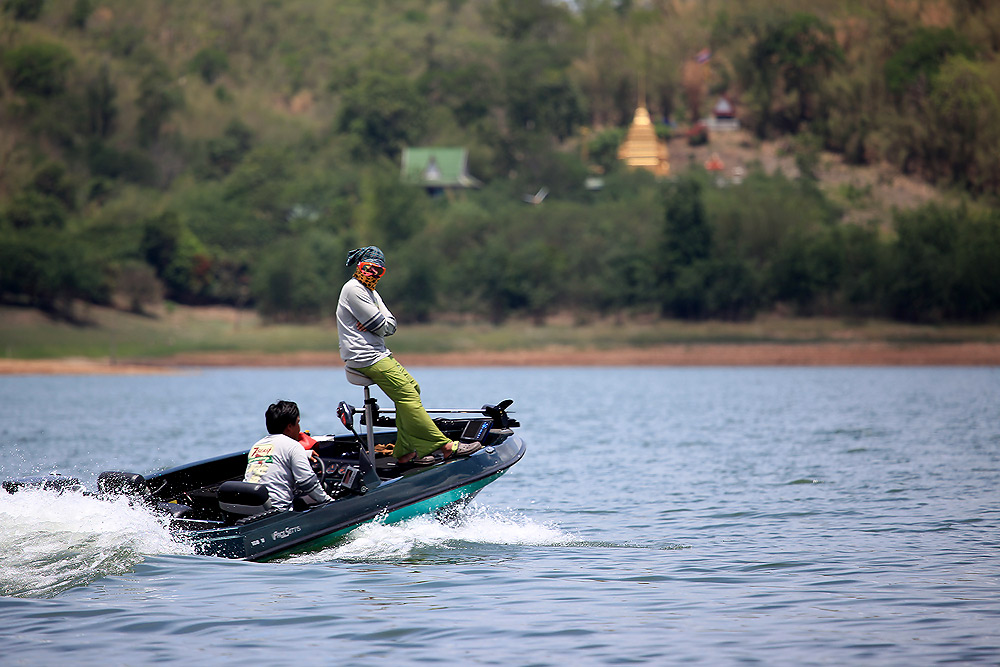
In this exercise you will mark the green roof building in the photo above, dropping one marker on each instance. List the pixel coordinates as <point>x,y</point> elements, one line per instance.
<point>437,169</point>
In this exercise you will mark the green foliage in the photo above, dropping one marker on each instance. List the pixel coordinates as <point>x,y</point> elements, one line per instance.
<point>39,68</point>
<point>158,98</point>
<point>602,148</point>
<point>383,112</point>
<point>176,255</point>
<point>540,95</point>
<point>389,213</point>
<point>784,71</point>
<point>920,58</point>
<point>237,196</point>
<point>33,210</point>
<point>24,10</point>
<point>468,89</point>
<point>227,151</point>
<point>210,63</point>
<point>52,180</point>
<point>48,271</point>
<point>717,288</point>
<point>104,160</point>
<point>519,20</point>
<point>137,283</point>
<point>966,111</point>
<point>944,265</point>
<point>80,13</point>
<point>102,109</point>
<point>297,279</point>
<point>687,236</point>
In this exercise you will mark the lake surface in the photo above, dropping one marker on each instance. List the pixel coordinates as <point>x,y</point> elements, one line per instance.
<point>777,516</point>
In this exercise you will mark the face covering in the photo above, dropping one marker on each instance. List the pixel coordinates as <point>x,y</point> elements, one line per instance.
<point>368,274</point>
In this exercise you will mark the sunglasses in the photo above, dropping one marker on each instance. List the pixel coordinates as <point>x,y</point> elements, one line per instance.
<point>371,269</point>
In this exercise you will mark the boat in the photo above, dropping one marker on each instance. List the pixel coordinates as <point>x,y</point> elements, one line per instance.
<point>208,505</point>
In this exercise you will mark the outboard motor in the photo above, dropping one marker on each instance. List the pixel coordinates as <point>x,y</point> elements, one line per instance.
<point>114,483</point>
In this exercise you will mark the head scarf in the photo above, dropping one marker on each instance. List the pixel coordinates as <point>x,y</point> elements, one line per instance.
<point>370,253</point>
<point>363,256</point>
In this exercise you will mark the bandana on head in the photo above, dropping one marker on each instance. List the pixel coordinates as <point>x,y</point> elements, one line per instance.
<point>370,253</point>
<point>371,265</point>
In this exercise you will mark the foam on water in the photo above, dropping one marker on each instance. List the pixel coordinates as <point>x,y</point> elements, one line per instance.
<point>473,525</point>
<point>51,542</point>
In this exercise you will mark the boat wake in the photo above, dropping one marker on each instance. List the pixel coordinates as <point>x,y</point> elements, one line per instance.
<point>473,526</point>
<point>52,542</point>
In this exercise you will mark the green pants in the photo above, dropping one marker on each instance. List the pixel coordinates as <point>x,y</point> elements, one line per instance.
<point>417,432</point>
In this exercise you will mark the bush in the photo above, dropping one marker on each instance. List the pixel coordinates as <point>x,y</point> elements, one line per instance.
<point>24,10</point>
<point>177,256</point>
<point>602,148</point>
<point>104,160</point>
<point>50,270</point>
<point>210,63</point>
<point>136,283</point>
<point>80,13</point>
<point>158,97</point>
<point>287,283</point>
<point>227,151</point>
<point>33,210</point>
<point>38,69</point>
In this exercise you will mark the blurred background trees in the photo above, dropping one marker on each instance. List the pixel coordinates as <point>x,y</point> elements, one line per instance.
<point>231,153</point>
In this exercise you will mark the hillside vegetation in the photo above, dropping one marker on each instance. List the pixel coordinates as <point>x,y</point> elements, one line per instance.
<point>231,153</point>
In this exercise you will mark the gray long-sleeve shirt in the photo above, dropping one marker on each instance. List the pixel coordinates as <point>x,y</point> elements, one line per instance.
<point>360,305</point>
<point>282,465</point>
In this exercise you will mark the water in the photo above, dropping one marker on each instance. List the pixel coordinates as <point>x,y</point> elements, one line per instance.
<point>711,516</point>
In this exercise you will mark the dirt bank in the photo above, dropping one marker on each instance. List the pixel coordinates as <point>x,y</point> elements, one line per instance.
<point>77,366</point>
<point>759,354</point>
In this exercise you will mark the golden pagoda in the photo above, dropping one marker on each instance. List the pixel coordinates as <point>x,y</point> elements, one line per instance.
<point>641,147</point>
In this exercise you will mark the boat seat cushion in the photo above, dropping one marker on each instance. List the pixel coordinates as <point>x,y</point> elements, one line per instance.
<point>243,498</point>
<point>355,376</point>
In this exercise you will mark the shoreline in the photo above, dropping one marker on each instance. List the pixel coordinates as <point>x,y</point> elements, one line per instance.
<point>681,355</point>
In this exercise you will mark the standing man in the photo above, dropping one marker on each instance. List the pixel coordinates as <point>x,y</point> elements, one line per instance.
<point>279,462</point>
<point>363,322</point>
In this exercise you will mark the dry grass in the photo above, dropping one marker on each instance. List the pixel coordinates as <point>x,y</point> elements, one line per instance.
<point>197,336</point>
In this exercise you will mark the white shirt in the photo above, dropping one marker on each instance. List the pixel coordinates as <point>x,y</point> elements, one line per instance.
<point>282,465</point>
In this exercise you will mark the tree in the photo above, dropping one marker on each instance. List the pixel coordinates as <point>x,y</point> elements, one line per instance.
<point>922,264</point>
<point>227,151</point>
<point>383,112</point>
<point>785,70</point>
<point>967,114</point>
<point>24,10</point>
<point>159,97</point>
<point>50,270</point>
<point>210,63</point>
<point>176,254</point>
<point>541,98</point>
<point>39,68</point>
<point>687,237</point>
<point>687,243</point>
<point>920,58</point>
<point>102,110</point>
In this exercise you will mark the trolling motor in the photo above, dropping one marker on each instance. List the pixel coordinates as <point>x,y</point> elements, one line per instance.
<point>498,413</point>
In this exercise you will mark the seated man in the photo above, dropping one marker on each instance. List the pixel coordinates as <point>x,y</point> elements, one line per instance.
<point>279,462</point>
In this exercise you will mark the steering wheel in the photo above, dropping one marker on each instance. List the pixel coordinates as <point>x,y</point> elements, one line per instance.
<point>316,463</point>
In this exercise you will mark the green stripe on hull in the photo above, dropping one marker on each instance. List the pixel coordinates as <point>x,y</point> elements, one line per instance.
<point>419,508</point>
